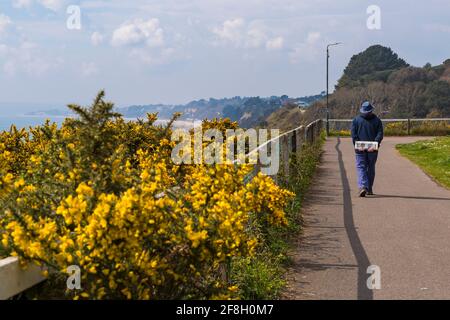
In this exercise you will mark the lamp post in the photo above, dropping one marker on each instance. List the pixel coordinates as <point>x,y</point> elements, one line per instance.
<point>328,58</point>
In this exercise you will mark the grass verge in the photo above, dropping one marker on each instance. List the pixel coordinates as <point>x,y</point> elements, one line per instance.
<point>433,156</point>
<point>262,277</point>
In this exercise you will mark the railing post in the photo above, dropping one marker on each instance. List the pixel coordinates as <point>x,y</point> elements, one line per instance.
<point>328,127</point>
<point>317,130</point>
<point>293,140</point>
<point>284,146</point>
<point>314,131</point>
<point>300,134</point>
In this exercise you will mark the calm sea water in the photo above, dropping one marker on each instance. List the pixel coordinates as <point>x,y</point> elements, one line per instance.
<point>27,121</point>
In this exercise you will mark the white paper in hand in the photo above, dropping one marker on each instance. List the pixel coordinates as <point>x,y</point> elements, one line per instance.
<point>366,145</point>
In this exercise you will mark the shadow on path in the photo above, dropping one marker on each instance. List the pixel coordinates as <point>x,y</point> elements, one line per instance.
<point>362,259</point>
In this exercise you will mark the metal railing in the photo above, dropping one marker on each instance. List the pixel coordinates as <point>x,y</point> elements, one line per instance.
<point>290,142</point>
<point>407,126</point>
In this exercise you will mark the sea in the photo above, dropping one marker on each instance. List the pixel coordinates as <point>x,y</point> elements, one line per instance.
<point>26,121</point>
<point>23,121</point>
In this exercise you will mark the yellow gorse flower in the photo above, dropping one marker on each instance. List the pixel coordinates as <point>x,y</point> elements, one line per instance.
<point>103,194</point>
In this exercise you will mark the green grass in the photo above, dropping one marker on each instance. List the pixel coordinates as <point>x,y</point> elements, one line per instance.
<point>433,156</point>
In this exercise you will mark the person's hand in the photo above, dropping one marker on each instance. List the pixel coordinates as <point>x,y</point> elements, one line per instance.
<point>371,149</point>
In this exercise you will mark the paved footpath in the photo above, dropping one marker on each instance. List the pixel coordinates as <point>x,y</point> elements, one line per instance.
<point>404,230</point>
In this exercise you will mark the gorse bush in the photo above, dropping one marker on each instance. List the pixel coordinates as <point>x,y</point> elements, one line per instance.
<point>418,128</point>
<point>103,194</point>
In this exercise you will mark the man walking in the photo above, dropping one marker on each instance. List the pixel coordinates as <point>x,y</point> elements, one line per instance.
<point>366,127</point>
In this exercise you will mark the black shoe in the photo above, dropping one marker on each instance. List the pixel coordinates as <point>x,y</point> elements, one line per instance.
<point>370,193</point>
<point>362,192</point>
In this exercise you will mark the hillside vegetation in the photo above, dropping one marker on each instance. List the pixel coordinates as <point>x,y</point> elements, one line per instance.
<point>397,89</point>
<point>287,118</point>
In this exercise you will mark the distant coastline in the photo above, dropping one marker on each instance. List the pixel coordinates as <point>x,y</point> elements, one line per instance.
<point>32,120</point>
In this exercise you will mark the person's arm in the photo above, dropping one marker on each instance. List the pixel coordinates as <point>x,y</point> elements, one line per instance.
<point>380,134</point>
<point>354,131</point>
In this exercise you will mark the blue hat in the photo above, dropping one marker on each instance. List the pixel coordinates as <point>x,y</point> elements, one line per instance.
<point>366,107</point>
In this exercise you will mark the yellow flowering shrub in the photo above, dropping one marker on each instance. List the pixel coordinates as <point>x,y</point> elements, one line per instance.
<point>103,194</point>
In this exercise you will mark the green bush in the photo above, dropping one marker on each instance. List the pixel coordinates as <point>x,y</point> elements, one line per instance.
<point>259,278</point>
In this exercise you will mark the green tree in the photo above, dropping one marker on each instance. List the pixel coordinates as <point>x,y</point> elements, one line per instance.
<point>375,63</point>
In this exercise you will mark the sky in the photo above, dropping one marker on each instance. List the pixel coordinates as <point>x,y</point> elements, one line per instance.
<point>55,52</point>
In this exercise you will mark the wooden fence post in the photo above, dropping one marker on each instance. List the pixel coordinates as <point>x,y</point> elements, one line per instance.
<point>307,133</point>
<point>300,136</point>
<point>293,140</point>
<point>284,146</point>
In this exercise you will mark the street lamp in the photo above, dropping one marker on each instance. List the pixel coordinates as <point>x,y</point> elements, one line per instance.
<point>328,58</point>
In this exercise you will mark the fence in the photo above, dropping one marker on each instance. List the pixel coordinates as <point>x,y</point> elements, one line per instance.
<point>14,279</point>
<point>429,126</point>
<point>290,142</point>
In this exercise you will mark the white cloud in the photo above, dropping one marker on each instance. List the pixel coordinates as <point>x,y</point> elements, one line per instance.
<point>89,69</point>
<point>139,32</point>
<point>231,31</point>
<point>246,35</point>
<point>153,58</point>
<point>25,58</point>
<point>313,37</point>
<point>22,3</point>
<point>147,42</point>
<point>5,22</point>
<point>97,38</point>
<point>255,37</point>
<point>54,5</point>
<point>308,50</point>
<point>275,43</point>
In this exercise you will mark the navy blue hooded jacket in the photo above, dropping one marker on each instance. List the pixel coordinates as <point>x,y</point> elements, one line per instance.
<point>367,127</point>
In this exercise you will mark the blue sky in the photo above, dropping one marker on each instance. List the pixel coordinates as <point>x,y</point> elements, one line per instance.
<point>174,51</point>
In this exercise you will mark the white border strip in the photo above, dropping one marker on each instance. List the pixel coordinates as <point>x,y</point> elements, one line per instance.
<point>14,279</point>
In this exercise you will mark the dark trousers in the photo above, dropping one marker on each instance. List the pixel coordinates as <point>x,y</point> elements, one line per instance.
<point>365,166</point>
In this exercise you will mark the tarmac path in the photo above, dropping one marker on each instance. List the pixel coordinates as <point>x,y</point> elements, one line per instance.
<point>404,230</point>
